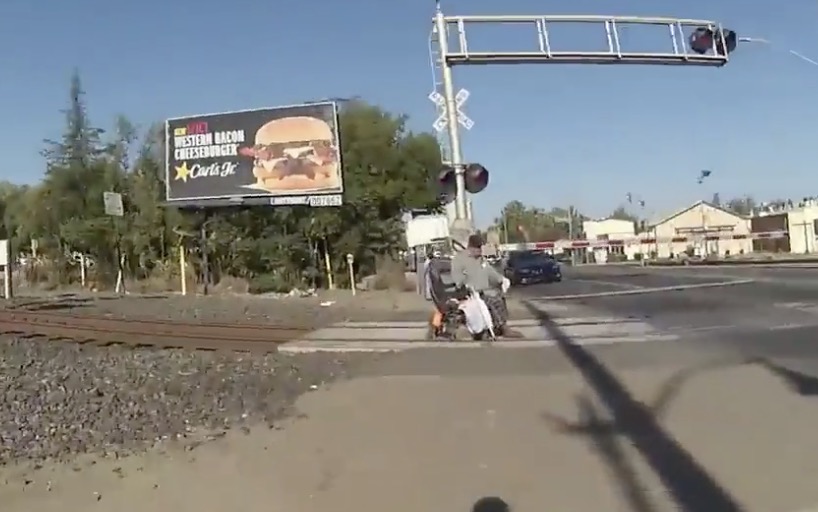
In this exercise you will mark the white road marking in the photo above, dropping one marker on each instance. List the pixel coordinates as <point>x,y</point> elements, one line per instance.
<point>734,265</point>
<point>524,322</point>
<point>629,286</point>
<point>531,329</point>
<point>643,291</point>
<point>299,347</point>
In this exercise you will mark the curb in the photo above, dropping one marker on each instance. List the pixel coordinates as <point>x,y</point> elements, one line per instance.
<point>797,263</point>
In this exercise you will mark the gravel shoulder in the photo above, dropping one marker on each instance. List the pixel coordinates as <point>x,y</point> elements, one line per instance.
<point>61,400</point>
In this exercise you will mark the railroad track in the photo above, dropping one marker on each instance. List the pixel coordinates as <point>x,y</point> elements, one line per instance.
<point>105,331</point>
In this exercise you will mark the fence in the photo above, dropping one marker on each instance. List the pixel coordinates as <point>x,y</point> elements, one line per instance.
<point>586,244</point>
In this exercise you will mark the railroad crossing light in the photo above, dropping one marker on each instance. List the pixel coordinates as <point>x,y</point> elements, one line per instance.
<point>702,41</point>
<point>446,184</point>
<point>477,178</point>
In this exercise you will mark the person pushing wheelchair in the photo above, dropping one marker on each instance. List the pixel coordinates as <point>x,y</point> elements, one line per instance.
<point>470,269</point>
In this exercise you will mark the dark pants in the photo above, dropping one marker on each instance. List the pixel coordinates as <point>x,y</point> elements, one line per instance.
<point>498,309</point>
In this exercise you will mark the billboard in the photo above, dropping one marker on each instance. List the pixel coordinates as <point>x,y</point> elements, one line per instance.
<point>273,156</point>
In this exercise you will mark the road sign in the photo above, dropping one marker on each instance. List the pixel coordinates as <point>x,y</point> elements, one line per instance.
<point>464,120</point>
<point>460,99</point>
<point>113,204</point>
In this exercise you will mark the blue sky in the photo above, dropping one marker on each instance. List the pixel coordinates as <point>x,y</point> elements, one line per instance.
<point>552,135</point>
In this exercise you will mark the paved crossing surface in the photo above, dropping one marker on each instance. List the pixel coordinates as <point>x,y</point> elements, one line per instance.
<point>625,305</point>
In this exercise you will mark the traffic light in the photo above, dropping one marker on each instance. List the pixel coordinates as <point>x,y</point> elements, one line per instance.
<point>477,178</point>
<point>704,39</point>
<point>475,175</point>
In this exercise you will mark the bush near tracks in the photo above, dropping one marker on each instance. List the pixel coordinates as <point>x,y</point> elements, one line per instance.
<point>387,170</point>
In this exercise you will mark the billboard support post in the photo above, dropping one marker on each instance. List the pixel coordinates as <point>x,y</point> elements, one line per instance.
<point>203,249</point>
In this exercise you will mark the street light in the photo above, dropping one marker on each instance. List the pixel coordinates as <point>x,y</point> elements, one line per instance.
<point>759,40</point>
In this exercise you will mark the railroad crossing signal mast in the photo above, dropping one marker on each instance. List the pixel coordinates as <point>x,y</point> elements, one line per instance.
<point>690,42</point>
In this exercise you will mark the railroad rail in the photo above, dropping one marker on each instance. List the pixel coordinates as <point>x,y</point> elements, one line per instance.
<point>140,332</point>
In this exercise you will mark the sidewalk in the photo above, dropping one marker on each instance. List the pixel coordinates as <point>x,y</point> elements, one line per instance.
<point>735,436</point>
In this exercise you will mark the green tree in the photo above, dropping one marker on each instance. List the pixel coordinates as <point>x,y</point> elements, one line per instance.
<point>387,170</point>
<point>520,223</point>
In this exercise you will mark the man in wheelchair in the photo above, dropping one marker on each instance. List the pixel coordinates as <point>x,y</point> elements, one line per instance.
<point>468,271</point>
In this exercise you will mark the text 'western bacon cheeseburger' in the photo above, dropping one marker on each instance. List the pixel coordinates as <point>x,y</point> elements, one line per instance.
<point>294,153</point>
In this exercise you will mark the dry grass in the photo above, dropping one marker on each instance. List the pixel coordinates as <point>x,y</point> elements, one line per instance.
<point>391,275</point>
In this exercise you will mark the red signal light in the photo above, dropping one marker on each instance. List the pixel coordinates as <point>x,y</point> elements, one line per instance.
<point>705,39</point>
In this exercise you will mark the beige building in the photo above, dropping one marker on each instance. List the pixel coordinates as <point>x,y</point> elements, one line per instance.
<point>609,229</point>
<point>697,221</point>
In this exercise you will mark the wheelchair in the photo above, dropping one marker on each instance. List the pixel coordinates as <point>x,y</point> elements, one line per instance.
<point>448,320</point>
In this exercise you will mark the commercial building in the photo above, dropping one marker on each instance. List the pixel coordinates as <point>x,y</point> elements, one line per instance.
<point>703,222</point>
<point>609,229</point>
<point>800,221</point>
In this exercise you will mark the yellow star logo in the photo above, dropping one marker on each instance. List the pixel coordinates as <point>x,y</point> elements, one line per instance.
<point>182,172</point>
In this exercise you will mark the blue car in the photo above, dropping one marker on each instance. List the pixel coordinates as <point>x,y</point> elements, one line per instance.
<point>528,267</point>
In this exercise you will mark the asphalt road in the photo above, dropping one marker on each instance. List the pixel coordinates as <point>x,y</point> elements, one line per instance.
<point>704,368</point>
<point>748,312</point>
<point>730,315</point>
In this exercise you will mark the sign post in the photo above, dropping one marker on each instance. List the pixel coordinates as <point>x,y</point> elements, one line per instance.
<point>6,262</point>
<point>112,202</point>
<point>350,261</point>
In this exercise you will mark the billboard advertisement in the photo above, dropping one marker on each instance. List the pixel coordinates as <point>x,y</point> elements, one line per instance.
<point>274,156</point>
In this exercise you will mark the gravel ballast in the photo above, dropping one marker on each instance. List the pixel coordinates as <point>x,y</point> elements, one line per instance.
<point>59,399</point>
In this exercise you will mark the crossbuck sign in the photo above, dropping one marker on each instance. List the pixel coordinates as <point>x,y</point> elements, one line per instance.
<point>462,119</point>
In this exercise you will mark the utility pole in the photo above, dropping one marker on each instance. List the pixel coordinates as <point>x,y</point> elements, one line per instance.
<point>703,175</point>
<point>571,233</point>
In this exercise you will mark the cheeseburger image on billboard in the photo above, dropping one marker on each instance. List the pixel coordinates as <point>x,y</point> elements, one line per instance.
<point>295,155</point>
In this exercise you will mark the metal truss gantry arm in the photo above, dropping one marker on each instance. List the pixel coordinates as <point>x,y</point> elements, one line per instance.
<point>542,50</point>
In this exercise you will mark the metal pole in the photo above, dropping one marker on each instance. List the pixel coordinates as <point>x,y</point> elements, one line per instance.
<point>571,234</point>
<point>461,210</point>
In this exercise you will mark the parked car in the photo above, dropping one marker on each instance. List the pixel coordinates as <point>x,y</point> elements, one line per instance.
<point>528,267</point>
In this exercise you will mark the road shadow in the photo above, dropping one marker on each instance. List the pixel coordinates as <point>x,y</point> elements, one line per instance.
<point>687,482</point>
<point>800,383</point>
<point>606,442</point>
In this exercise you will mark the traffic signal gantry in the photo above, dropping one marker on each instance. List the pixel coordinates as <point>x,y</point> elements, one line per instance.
<point>690,42</point>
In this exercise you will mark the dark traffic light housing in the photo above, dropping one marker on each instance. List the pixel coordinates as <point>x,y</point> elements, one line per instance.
<point>446,184</point>
<point>477,178</point>
<point>705,39</point>
<point>475,175</point>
